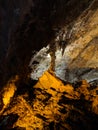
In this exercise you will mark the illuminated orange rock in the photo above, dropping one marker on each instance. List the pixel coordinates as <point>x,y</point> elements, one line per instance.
<point>54,105</point>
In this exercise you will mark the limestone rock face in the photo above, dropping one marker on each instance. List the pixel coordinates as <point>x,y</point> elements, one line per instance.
<point>35,25</point>
<point>66,100</point>
<point>79,60</point>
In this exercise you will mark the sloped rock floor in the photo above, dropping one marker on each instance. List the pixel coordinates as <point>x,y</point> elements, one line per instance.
<point>52,104</point>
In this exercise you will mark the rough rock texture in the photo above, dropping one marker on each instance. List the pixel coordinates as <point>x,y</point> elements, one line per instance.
<point>52,105</point>
<point>49,103</point>
<point>38,28</point>
<point>79,60</point>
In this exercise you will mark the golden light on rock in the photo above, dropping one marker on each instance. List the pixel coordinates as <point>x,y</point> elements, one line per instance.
<point>47,81</point>
<point>53,102</point>
<point>9,93</point>
<point>45,101</point>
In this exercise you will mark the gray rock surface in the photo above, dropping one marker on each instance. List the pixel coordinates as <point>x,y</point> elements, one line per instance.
<point>80,58</point>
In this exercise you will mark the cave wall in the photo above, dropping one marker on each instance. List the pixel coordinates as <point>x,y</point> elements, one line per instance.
<point>11,14</point>
<point>52,103</point>
<point>37,24</point>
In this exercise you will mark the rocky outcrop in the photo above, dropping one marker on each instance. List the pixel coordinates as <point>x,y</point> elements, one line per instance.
<point>67,100</point>
<point>37,28</point>
<point>52,104</point>
<point>79,60</point>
